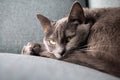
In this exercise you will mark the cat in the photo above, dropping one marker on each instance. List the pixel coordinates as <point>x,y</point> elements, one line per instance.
<point>89,37</point>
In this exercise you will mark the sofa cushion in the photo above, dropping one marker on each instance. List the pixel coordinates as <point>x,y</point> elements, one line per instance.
<point>22,67</point>
<point>18,22</point>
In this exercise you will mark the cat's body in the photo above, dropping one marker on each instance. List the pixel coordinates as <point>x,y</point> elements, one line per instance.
<point>89,37</point>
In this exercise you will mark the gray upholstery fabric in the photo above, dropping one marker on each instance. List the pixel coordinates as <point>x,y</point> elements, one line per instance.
<point>103,3</point>
<point>21,67</point>
<point>18,22</point>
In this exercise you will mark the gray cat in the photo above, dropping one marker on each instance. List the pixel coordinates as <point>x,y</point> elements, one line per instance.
<point>89,37</point>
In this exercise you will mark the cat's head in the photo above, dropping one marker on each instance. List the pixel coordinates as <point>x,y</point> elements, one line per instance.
<point>67,33</point>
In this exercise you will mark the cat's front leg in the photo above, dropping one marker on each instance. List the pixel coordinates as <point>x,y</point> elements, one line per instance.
<point>37,50</point>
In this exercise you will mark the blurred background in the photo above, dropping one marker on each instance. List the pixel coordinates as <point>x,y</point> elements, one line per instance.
<point>19,25</point>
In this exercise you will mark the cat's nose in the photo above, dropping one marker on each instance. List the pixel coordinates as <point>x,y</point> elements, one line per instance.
<point>62,53</point>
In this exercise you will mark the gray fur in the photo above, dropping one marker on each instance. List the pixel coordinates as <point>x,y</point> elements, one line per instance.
<point>94,38</point>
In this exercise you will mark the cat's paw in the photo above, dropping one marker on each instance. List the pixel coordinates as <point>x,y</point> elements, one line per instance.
<point>31,49</point>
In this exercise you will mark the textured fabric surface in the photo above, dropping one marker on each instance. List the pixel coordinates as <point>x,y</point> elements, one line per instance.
<point>18,22</point>
<point>22,67</point>
<point>103,3</point>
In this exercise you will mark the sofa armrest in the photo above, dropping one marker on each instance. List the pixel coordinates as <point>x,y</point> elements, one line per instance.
<point>104,3</point>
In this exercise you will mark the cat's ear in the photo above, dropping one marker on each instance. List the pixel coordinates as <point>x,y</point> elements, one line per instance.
<point>45,22</point>
<point>76,13</point>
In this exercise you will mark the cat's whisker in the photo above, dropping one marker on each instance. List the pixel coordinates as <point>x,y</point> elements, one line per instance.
<point>99,42</point>
<point>85,46</point>
<point>91,50</point>
<point>95,44</point>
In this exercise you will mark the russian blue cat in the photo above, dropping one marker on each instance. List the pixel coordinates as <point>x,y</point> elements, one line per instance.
<point>89,37</point>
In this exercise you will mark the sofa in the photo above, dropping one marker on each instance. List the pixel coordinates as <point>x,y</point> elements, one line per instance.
<point>19,25</point>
